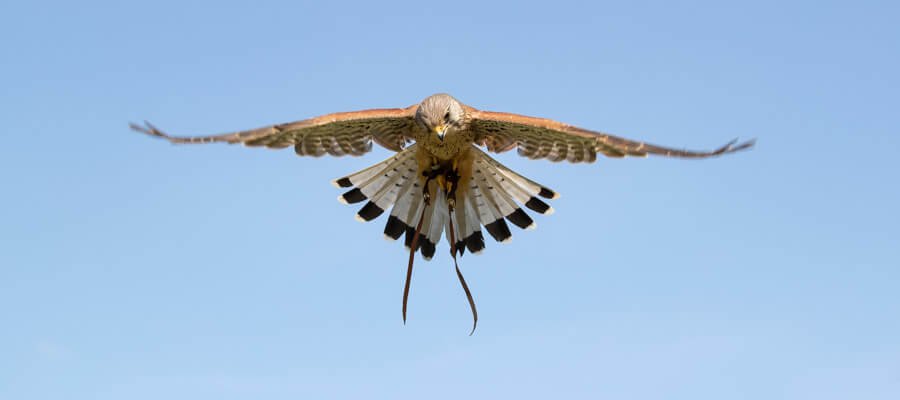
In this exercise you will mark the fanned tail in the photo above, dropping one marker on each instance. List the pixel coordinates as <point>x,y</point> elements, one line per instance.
<point>381,184</point>
<point>491,196</point>
<point>394,184</point>
<point>494,195</point>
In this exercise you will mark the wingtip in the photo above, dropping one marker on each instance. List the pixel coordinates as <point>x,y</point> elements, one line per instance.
<point>140,128</point>
<point>733,146</point>
<point>148,129</point>
<point>746,145</point>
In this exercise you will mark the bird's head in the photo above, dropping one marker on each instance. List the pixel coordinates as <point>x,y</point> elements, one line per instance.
<point>441,115</point>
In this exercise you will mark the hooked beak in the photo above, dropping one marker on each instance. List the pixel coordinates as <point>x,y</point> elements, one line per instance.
<point>440,130</point>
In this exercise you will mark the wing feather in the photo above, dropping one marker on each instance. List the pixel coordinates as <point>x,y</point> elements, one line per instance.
<point>544,138</point>
<point>336,134</point>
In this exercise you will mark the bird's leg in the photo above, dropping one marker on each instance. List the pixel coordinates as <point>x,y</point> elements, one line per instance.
<point>430,175</point>
<point>452,179</point>
<point>448,177</point>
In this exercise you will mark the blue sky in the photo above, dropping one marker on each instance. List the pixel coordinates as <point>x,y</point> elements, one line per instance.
<point>136,269</point>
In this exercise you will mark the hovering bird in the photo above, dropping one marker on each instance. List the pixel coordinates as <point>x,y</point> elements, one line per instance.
<point>440,181</point>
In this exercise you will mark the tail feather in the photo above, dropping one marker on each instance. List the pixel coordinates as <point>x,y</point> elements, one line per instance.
<point>511,186</point>
<point>495,195</point>
<point>461,224</point>
<point>496,198</point>
<point>368,182</point>
<point>359,178</point>
<point>382,187</point>
<point>474,239</point>
<point>524,190</point>
<point>483,211</point>
<point>427,250</point>
<point>399,222</point>
<point>399,176</point>
<point>433,227</point>
<point>532,187</point>
<point>503,194</point>
<point>489,215</point>
<point>412,214</point>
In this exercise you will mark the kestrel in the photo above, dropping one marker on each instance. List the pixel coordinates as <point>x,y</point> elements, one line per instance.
<point>440,181</point>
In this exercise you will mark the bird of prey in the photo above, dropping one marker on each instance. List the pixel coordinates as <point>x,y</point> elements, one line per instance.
<point>441,182</point>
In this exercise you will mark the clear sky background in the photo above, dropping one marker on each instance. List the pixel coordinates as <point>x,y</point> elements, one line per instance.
<point>133,269</point>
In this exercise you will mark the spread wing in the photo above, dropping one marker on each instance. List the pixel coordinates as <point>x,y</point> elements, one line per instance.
<point>544,138</point>
<point>336,134</point>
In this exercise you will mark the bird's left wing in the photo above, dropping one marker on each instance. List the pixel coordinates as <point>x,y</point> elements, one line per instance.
<point>336,134</point>
<point>544,138</point>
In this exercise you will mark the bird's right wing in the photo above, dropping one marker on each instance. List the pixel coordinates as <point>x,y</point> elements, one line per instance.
<point>336,134</point>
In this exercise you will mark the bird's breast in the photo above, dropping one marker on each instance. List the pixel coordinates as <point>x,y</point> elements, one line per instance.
<point>447,149</point>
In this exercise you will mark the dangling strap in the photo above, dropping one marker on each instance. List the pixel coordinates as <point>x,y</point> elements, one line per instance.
<point>412,256</point>
<point>459,274</point>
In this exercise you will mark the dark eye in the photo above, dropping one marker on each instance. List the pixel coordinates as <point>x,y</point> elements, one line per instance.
<point>447,117</point>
